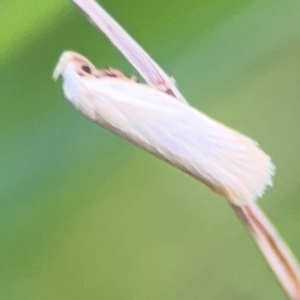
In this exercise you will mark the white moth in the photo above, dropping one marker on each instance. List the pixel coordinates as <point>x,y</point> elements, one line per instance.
<point>228,162</point>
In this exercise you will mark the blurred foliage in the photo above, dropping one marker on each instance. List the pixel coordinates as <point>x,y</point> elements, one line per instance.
<point>85,215</point>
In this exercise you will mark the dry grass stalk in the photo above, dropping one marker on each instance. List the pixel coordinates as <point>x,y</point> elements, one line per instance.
<point>277,254</point>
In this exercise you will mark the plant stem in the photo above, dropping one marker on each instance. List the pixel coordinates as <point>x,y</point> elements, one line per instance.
<point>278,256</point>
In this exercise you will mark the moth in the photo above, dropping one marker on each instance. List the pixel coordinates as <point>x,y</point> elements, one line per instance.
<point>227,161</point>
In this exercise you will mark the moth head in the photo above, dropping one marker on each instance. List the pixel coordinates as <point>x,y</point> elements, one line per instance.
<point>73,61</point>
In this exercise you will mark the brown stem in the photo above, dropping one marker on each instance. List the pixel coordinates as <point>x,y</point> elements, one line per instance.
<point>280,259</point>
<point>278,256</point>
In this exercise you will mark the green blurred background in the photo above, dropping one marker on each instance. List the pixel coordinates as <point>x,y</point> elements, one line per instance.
<point>86,215</point>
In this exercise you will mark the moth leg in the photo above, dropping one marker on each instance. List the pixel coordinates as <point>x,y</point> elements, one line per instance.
<point>115,73</point>
<point>165,88</point>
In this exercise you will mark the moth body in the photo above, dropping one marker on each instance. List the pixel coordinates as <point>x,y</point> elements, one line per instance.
<point>228,162</point>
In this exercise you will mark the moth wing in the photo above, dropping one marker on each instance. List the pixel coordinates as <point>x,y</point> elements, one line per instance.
<point>227,161</point>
